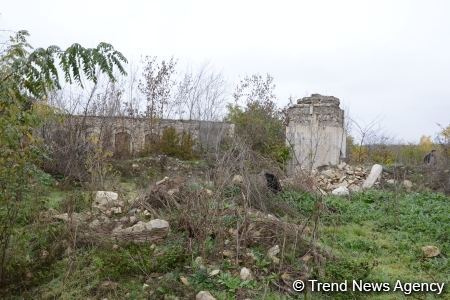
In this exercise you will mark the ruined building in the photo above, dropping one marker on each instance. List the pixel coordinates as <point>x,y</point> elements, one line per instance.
<point>315,132</point>
<point>127,136</point>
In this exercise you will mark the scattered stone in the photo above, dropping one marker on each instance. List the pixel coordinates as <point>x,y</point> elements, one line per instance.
<point>391,181</point>
<point>407,184</point>
<point>237,179</point>
<point>340,191</point>
<point>74,217</point>
<point>116,210</point>
<point>214,272</point>
<point>246,274</point>
<point>44,254</point>
<point>430,251</point>
<point>162,181</point>
<point>143,231</point>
<point>329,173</point>
<point>354,188</point>
<point>145,287</point>
<point>172,192</point>
<point>307,257</point>
<point>341,166</point>
<point>199,262</point>
<point>374,175</point>
<point>133,220</point>
<point>108,285</point>
<point>272,254</point>
<point>227,253</point>
<point>184,280</point>
<point>104,200</point>
<point>94,224</point>
<point>273,251</point>
<point>204,295</point>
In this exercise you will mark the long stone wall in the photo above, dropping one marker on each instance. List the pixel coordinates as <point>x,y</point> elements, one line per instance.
<point>315,132</point>
<point>130,136</point>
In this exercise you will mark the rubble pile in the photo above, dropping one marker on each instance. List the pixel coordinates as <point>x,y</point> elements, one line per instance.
<point>110,220</point>
<point>340,177</point>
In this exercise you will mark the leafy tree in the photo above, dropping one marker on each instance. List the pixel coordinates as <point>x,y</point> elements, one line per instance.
<point>425,144</point>
<point>259,122</point>
<point>27,76</point>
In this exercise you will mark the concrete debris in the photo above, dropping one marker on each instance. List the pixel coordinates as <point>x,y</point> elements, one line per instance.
<point>184,280</point>
<point>237,179</point>
<point>162,181</point>
<point>74,217</point>
<point>153,230</point>
<point>246,274</point>
<point>204,295</point>
<point>391,181</point>
<point>430,251</point>
<point>407,184</point>
<point>273,251</point>
<point>340,191</point>
<point>375,174</point>
<point>340,176</point>
<point>272,254</point>
<point>105,200</point>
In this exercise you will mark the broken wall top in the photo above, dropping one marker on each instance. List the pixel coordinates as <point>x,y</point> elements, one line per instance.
<point>322,109</point>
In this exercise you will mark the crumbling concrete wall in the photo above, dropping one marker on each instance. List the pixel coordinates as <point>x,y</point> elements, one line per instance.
<point>130,136</point>
<point>315,132</point>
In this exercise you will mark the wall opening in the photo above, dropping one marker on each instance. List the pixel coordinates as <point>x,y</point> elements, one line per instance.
<point>122,142</point>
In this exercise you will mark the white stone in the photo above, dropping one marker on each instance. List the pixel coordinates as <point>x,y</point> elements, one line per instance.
<point>407,184</point>
<point>342,166</point>
<point>172,192</point>
<point>391,181</point>
<point>154,229</point>
<point>204,295</point>
<point>246,274</point>
<point>237,179</point>
<point>116,210</point>
<point>273,251</point>
<point>214,272</point>
<point>374,175</point>
<point>329,173</point>
<point>104,200</point>
<point>354,188</point>
<point>162,181</point>
<point>430,251</point>
<point>340,191</point>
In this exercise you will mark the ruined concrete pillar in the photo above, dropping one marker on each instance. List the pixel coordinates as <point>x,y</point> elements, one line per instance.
<point>315,133</point>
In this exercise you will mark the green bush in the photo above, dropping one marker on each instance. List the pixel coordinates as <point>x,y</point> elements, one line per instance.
<point>174,144</point>
<point>262,129</point>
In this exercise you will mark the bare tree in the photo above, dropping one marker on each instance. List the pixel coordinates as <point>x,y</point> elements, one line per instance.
<point>366,134</point>
<point>201,95</point>
<point>156,85</point>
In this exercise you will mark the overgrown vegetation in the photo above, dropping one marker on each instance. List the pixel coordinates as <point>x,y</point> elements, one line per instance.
<point>259,123</point>
<point>223,214</point>
<point>26,79</point>
<point>374,236</point>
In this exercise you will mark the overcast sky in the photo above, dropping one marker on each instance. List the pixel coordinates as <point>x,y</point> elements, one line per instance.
<point>383,59</point>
